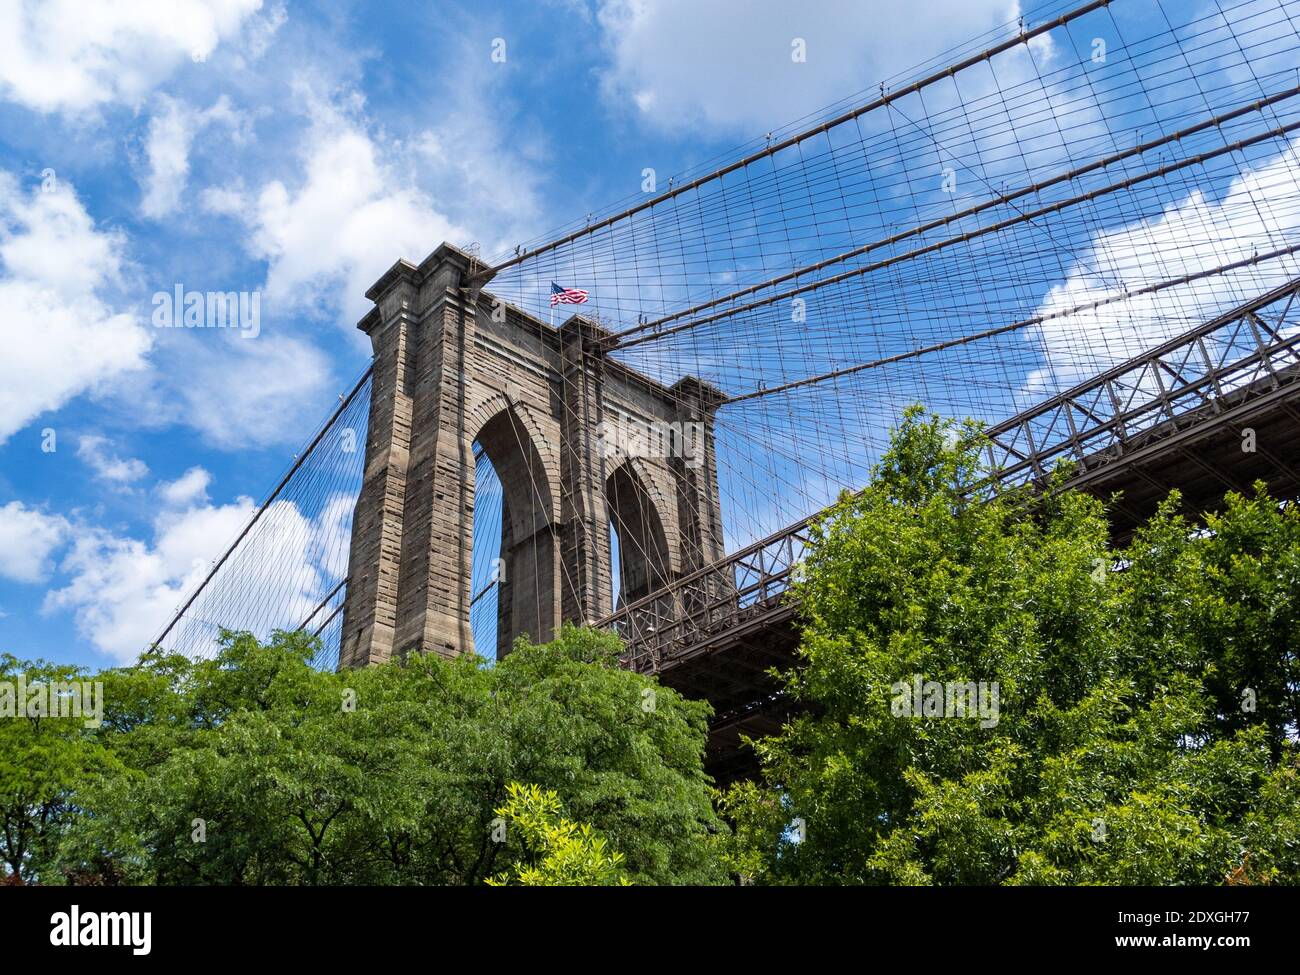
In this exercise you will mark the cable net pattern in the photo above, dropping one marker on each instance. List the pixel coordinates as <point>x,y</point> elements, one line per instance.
<point>1023,213</point>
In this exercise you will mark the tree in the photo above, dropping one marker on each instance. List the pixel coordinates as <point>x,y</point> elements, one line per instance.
<point>555,852</point>
<point>1119,747</point>
<point>47,755</point>
<point>254,768</point>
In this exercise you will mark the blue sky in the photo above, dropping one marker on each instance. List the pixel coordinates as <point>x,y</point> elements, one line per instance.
<point>295,151</point>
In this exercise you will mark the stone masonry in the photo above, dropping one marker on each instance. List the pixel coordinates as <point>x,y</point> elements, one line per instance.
<point>453,365</point>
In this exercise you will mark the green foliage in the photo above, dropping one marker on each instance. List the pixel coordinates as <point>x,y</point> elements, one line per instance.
<point>1145,731</point>
<point>1125,752</point>
<point>555,852</point>
<point>254,768</point>
<point>44,760</point>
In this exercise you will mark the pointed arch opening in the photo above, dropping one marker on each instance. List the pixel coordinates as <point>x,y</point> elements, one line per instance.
<point>638,543</point>
<point>485,573</point>
<point>512,585</point>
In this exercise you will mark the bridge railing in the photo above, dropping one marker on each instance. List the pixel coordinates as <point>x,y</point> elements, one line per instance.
<point>709,602</point>
<point>1236,357</point>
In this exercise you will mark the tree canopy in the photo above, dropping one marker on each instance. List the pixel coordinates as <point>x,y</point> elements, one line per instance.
<point>1147,697</point>
<point>987,692</point>
<point>556,852</point>
<point>255,768</point>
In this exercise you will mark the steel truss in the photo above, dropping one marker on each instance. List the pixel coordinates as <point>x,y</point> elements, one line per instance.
<point>1221,372</point>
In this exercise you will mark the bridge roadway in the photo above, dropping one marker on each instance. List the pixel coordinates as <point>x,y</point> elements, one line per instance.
<point>1179,416</point>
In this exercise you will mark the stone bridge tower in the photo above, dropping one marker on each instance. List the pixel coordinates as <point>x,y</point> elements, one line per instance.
<point>452,365</point>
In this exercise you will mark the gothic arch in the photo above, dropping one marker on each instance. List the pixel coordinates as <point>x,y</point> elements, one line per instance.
<point>518,427</point>
<point>638,510</point>
<point>515,445</point>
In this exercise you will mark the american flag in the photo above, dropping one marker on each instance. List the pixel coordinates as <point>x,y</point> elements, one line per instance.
<point>566,296</point>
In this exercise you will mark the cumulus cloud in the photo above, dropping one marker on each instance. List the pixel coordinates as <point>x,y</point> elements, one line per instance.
<point>63,336</point>
<point>681,64</point>
<point>172,131</point>
<point>60,334</point>
<point>188,489</point>
<point>122,590</point>
<point>352,213</point>
<point>107,466</point>
<point>72,57</point>
<point>1257,214</point>
<point>28,538</point>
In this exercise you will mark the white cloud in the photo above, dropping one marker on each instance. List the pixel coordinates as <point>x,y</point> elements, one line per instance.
<point>1257,214</point>
<point>281,388</point>
<point>107,466</point>
<point>331,536</point>
<point>228,201</point>
<point>259,32</point>
<point>172,131</point>
<point>62,338</point>
<point>60,335</point>
<point>69,56</point>
<point>123,590</point>
<point>683,64</point>
<point>187,490</point>
<point>27,540</point>
<point>352,214</point>
<point>483,171</point>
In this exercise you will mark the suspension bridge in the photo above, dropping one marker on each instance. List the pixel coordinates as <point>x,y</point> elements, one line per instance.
<point>1080,229</point>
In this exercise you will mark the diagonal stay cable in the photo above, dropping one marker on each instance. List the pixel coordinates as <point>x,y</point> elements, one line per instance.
<point>302,459</point>
<point>1014,326</point>
<point>1023,37</point>
<point>1001,198</point>
<point>1274,133</point>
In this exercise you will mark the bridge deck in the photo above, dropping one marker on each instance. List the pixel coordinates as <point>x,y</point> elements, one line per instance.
<point>1175,417</point>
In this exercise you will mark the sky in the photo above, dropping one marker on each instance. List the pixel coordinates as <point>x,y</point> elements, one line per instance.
<point>289,153</point>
